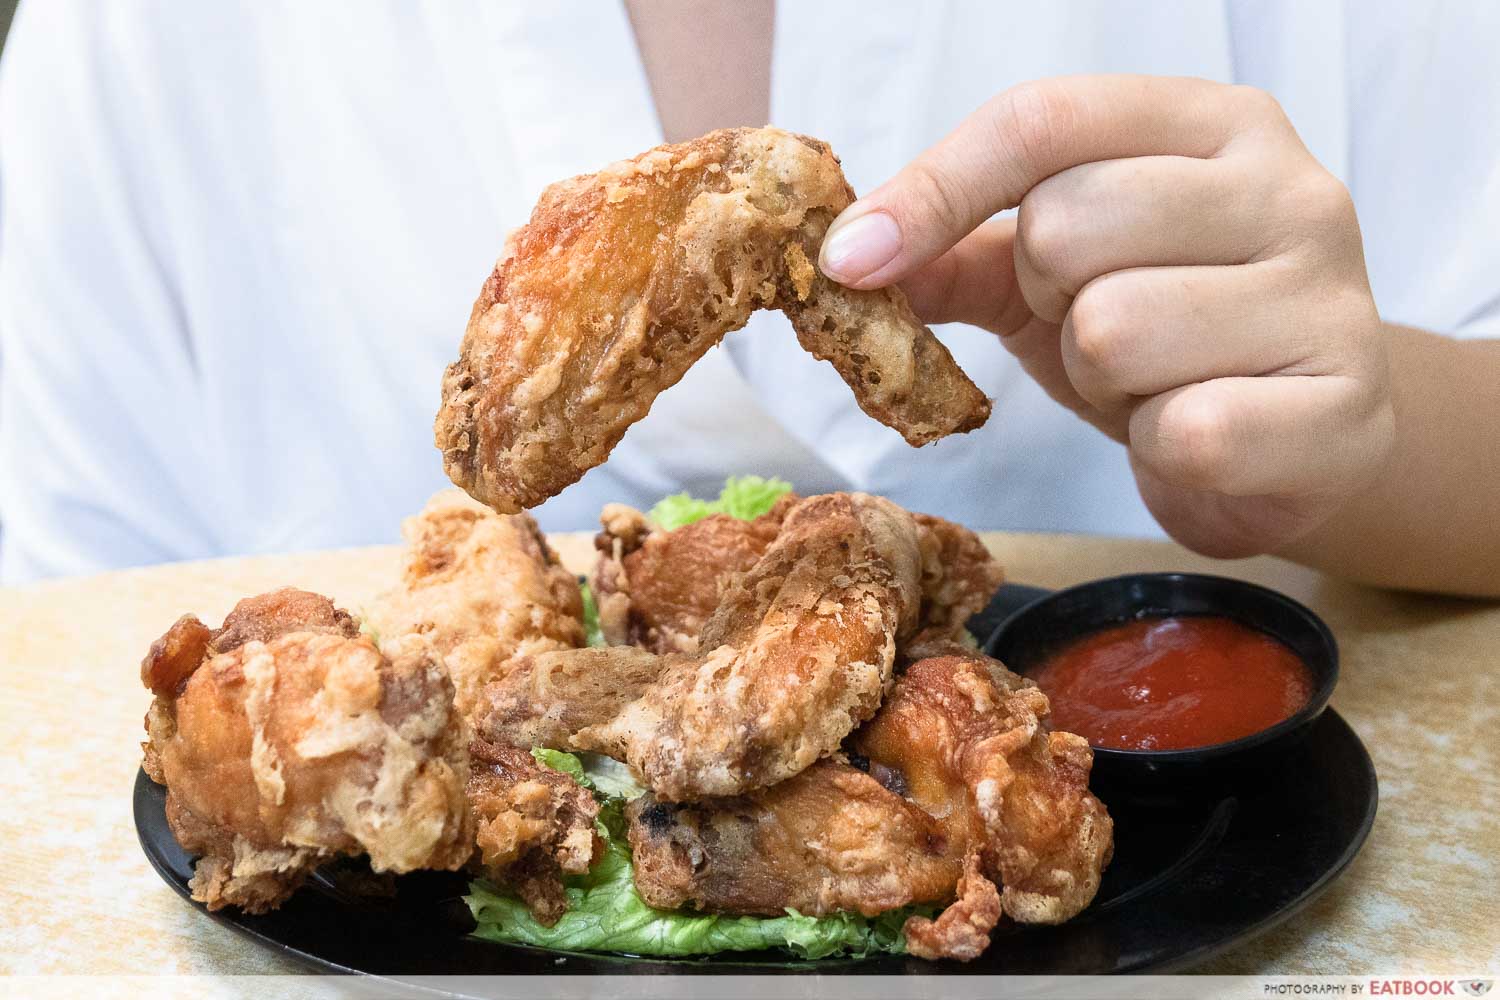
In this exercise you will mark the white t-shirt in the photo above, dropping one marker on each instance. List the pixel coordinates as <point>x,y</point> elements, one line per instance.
<point>239,242</point>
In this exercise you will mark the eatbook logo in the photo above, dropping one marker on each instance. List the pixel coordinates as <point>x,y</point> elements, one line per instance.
<point>1475,987</point>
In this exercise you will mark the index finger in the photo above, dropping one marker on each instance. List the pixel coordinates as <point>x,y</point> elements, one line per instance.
<point>1013,142</point>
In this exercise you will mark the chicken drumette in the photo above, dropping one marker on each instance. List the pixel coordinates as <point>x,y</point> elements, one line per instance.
<point>657,589</point>
<point>963,788</point>
<point>286,739</point>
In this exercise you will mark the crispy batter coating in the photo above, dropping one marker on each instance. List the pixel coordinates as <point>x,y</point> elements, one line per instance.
<point>828,839</point>
<point>953,786</point>
<point>291,740</point>
<point>481,589</point>
<point>544,699</point>
<point>959,576</point>
<point>657,589</point>
<point>962,930</point>
<point>179,652</point>
<point>623,279</point>
<point>966,740</point>
<point>533,826</point>
<point>799,651</point>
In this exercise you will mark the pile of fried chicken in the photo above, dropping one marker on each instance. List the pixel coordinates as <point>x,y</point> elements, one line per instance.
<point>797,692</point>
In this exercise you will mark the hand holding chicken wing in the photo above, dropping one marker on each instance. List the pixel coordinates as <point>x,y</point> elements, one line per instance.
<point>623,279</point>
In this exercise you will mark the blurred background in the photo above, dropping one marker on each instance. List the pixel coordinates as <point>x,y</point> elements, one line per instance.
<point>239,242</point>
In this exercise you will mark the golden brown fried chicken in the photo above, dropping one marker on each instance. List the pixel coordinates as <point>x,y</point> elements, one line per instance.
<point>963,787</point>
<point>799,651</point>
<point>966,741</point>
<point>544,699</point>
<point>623,279</point>
<point>828,839</point>
<point>481,589</point>
<point>286,739</point>
<point>959,576</point>
<point>962,930</point>
<point>657,588</point>
<point>534,825</point>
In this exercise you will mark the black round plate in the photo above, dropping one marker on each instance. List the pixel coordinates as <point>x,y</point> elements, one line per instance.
<point>1190,878</point>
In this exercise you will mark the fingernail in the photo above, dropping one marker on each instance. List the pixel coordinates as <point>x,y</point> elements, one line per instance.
<point>857,248</point>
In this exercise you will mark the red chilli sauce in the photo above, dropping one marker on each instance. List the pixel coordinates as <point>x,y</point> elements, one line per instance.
<point>1173,683</point>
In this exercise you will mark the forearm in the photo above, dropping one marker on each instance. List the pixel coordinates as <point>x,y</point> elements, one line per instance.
<point>1432,520</point>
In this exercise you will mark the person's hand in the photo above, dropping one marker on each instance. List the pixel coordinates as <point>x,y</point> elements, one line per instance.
<point>1182,274</point>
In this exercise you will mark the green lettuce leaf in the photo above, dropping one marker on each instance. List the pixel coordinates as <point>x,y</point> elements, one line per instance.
<point>747,497</point>
<point>609,778</point>
<point>592,633</point>
<point>605,777</point>
<point>559,760</point>
<point>367,628</point>
<point>606,914</point>
<point>744,497</point>
<point>679,509</point>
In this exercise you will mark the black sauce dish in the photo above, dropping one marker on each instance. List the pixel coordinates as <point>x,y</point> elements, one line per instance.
<point>1024,640</point>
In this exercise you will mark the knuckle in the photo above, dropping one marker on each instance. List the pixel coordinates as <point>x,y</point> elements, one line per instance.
<point>1353,326</point>
<point>1099,332</point>
<point>1256,104</point>
<point>1033,117</point>
<point>1319,212</point>
<point>1327,199</point>
<point>1196,442</point>
<point>1044,234</point>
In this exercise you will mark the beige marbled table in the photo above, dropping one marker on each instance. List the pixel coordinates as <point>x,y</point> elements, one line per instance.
<point>1421,686</point>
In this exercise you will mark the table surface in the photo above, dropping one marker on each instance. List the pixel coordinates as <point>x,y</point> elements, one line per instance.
<point>1419,685</point>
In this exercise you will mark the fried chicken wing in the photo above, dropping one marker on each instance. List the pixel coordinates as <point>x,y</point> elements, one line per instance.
<point>286,739</point>
<point>623,279</point>
<point>953,786</point>
<point>657,588</point>
<point>966,740</point>
<point>799,651</point>
<point>481,589</point>
<point>533,826</point>
<point>831,838</point>
<point>828,839</point>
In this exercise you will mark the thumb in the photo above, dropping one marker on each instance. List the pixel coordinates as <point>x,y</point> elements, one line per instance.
<point>906,223</point>
<point>1013,142</point>
<point>935,200</point>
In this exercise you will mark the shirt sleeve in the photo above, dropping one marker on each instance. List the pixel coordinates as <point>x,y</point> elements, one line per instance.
<point>98,395</point>
<point>1424,160</point>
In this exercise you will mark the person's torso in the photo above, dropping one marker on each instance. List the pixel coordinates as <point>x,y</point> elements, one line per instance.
<point>342,181</point>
